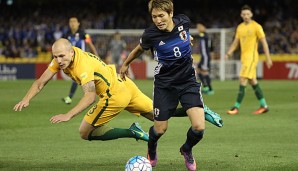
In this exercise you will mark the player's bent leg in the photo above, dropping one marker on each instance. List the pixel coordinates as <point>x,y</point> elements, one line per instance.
<point>148,115</point>
<point>105,132</point>
<point>197,118</point>
<point>85,130</point>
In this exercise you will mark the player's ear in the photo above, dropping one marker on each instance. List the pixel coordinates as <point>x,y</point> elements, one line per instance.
<point>71,52</point>
<point>171,14</point>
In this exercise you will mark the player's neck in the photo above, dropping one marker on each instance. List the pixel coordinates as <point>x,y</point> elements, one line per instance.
<point>247,22</point>
<point>74,31</point>
<point>170,27</point>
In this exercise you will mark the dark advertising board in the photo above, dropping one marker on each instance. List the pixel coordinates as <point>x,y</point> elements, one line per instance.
<point>17,71</point>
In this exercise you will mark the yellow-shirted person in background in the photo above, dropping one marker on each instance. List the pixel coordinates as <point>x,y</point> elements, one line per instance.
<point>248,34</point>
<point>96,78</point>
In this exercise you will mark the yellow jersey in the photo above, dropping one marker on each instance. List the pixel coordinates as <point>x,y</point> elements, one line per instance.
<point>86,67</point>
<point>249,36</point>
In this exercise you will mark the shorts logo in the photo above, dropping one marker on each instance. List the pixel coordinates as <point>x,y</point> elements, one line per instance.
<point>156,112</point>
<point>91,110</point>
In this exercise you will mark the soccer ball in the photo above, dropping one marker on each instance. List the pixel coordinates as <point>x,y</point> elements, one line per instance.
<point>138,163</point>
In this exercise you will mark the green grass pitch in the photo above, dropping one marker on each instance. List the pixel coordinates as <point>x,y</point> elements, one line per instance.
<point>269,142</point>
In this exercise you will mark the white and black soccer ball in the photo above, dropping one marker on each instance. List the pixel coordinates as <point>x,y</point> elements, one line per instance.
<point>138,163</point>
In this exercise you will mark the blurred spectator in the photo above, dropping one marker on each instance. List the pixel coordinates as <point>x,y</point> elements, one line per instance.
<point>116,49</point>
<point>24,30</point>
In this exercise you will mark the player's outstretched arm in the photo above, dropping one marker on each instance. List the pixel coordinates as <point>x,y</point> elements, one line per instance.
<point>88,98</point>
<point>133,55</point>
<point>36,87</point>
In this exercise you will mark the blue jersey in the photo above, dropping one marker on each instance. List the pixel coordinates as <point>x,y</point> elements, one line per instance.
<point>172,50</point>
<point>77,39</point>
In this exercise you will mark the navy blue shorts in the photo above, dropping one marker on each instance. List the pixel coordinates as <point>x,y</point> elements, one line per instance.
<point>166,99</point>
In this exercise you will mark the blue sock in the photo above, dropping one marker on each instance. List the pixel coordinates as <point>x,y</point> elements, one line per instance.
<point>192,139</point>
<point>152,144</point>
<point>73,89</point>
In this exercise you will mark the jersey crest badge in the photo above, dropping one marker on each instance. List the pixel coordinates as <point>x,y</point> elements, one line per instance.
<point>183,36</point>
<point>77,36</point>
<point>83,75</point>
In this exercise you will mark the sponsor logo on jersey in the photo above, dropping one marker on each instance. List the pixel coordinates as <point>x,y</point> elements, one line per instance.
<point>161,43</point>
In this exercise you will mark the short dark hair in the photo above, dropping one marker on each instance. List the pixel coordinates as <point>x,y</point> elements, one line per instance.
<point>164,5</point>
<point>246,7</point>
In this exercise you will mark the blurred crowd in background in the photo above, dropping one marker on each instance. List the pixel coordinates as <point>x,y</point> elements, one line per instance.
<point>29,27</point>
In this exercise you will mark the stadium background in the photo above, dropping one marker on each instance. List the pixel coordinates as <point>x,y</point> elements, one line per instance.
<point>28,28</point>
<point>28,141</point>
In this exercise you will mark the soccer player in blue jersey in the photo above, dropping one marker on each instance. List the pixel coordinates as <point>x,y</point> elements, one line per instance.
<point>204,64</point>
<point>78,38</point>
<point>174,79</point>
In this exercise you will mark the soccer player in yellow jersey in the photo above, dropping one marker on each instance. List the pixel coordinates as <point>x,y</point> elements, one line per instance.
<point>248,34</point>
<point>96,78</point>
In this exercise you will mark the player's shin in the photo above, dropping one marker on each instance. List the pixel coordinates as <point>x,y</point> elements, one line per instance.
<point>104,133</point>
<point>193,137</point>
<point>152,145</point>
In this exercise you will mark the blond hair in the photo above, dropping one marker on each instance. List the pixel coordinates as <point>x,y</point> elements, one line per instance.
<point>164,5</point>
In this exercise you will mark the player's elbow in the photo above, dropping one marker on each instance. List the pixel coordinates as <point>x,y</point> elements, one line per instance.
<point>39,85</point>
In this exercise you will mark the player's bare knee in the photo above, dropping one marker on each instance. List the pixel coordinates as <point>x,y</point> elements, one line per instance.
<point>84,134</point>
<point>160,130</point>
<point>198,128</point>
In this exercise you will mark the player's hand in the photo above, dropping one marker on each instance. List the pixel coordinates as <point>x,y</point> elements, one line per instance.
<point>123,72</point>
<point>269,63</point>
<point>60,118</point>
<point>19,106</point>
<point>227,56</point>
